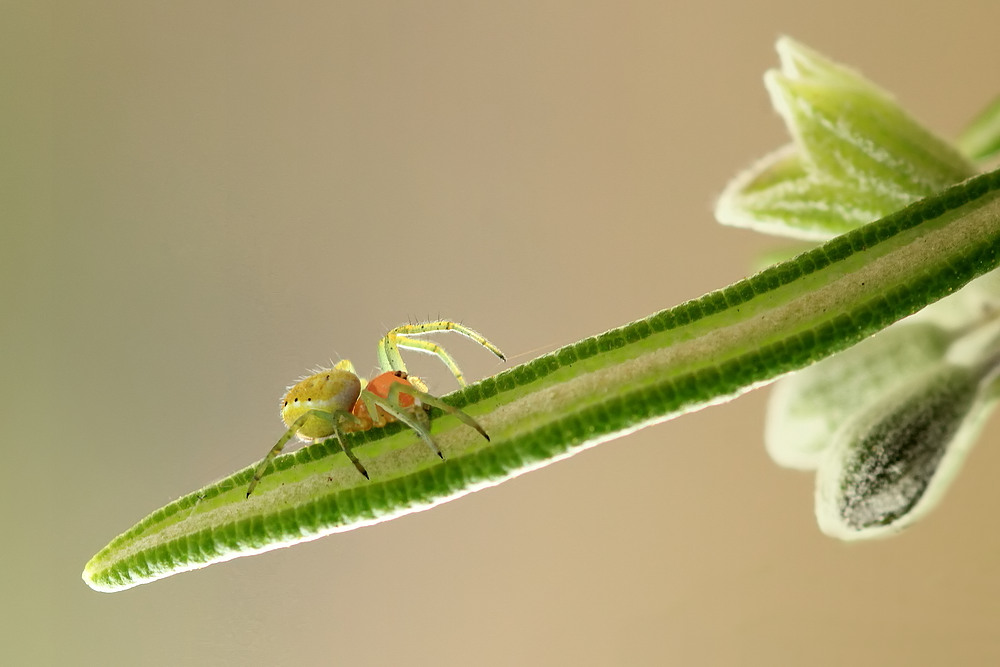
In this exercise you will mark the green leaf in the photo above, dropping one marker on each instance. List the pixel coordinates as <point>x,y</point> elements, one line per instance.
<point>889,467</point>
<point>981,139</point>
<point>777,195</point>
<point>857,155</point>
<point>702,352</point>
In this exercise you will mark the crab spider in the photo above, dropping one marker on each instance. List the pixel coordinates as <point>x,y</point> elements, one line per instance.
<point>336,401</point>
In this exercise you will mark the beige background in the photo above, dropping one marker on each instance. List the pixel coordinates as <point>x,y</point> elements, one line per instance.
<point>202,200</point>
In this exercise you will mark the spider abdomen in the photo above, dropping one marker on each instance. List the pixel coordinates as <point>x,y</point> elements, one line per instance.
<point>332,390</point>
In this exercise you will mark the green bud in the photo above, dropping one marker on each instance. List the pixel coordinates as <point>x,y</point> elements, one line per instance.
<point>891,464</point>
<point>857,156</point>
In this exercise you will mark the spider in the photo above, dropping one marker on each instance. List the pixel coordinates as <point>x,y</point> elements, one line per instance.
<point>335,401</point>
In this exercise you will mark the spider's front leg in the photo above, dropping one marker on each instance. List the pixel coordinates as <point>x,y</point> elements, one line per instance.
<point>333,418</point>
<point>402,337</point>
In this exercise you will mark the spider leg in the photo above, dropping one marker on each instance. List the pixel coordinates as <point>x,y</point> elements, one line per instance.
<point>423,397</point>
<point>401,337</point>
<point>429,347</point>
<point>332,417</point>
<point>373,402</point>
<point>350,454</point>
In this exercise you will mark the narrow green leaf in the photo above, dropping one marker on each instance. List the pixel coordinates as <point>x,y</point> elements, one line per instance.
<point>981,139</point>
<point>702,352</point>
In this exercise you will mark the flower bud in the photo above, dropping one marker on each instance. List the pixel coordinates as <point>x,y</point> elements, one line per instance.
<point>890,465</point>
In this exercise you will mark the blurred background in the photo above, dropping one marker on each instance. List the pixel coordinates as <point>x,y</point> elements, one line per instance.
<point>203,200</point>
